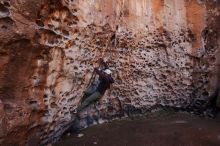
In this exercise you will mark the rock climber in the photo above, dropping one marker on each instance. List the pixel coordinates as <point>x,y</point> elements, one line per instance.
<point>105,80</point>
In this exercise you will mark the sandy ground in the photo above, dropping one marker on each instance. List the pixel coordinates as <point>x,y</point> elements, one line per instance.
<point>176,129</point>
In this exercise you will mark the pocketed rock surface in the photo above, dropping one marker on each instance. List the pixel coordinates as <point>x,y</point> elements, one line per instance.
<point>162,53</point>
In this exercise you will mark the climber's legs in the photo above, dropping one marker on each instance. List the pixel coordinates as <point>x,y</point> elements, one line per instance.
<point>90,90</point>
<point>95,96</point>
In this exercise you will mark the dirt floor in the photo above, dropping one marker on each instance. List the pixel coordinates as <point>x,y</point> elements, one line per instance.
<point>176,129</point>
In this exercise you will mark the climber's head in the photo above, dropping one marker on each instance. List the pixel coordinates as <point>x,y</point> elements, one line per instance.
<point>108,71</point>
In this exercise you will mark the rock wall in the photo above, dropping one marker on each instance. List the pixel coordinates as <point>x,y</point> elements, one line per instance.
<point>162,53</point>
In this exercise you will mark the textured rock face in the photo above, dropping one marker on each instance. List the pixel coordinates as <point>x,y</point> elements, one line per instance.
<point>164,52</point>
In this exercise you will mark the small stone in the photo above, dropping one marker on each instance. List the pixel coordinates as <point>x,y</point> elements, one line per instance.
<point>68,134</point>
<point>180,122</point>
<point>80,135</point>
<point>95,142</point>
<point>100,121</point>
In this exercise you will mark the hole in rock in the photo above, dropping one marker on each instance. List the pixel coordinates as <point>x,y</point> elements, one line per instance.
<point>6,4</point>
<point>40,23</point>
<point>33,104</point>
<point>66,113</point>
<point>45,96</point>
<point>3,9</point>
<point>7,108</point>
<point>4,27</point>
<point>53,105</point>
<point>46,113</point>
<point>206,94</point>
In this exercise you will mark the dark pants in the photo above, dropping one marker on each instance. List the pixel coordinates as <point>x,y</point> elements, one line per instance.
<point>92,98</point>
<point>90,95</point>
